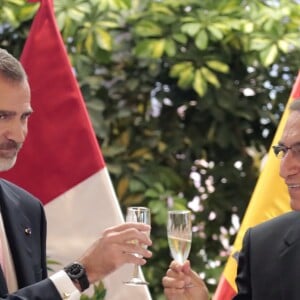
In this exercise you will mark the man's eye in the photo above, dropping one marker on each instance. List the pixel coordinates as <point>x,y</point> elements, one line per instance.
<point>3,116</point>
<point>281,149</point>
<point>25,117</point>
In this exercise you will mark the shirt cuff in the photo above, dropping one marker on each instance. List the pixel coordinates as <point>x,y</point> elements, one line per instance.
<point>65,286</point>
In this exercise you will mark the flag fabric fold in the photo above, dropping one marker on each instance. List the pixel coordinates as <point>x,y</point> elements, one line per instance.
<point>61,162</point>
<point>269,199</point>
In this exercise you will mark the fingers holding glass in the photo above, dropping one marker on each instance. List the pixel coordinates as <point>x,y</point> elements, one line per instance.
<point>137,215</point>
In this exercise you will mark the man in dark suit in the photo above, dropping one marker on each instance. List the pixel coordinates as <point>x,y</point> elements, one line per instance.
<point>23,270</point>
<point>269,262</point>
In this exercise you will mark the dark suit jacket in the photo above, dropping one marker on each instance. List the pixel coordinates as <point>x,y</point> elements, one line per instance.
<point>269,263</point>
<point>25,225</point>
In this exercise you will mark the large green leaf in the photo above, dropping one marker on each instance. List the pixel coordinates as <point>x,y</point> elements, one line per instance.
<point>186,77</point>
<point>200,84</point>
<point>147,28</point>
<point>191,28</point>
<point>201,40</point>
<point>269,55</point>
<point>210,77</point>
<point>218,66</point>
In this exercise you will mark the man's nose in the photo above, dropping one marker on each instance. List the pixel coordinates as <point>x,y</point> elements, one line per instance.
<point>17,132</point>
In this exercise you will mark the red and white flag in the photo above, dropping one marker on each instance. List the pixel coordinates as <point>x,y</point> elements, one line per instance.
<point>61,162</point>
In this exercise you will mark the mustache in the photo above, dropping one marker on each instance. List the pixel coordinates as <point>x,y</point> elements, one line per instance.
<point>10,145</point>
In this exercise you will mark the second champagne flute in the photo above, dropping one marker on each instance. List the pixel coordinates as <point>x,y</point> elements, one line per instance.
<point>137,214</point>
<point>179,228</point>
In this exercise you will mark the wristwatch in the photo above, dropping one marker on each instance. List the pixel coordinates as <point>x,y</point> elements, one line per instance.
<point>77,273</point>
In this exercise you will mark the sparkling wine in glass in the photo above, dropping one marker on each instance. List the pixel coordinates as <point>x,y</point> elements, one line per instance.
<point>137,214</point>
<point>179,228</point>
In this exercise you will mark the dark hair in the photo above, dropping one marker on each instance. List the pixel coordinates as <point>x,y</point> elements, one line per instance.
<point>11,68</point>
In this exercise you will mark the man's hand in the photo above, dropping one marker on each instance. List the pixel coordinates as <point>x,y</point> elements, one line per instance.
<point>182,283</point>
<point>115,248</point>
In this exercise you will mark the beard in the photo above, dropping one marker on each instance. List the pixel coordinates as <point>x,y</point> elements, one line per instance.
<point>7,163</point>
<point>8,154</point>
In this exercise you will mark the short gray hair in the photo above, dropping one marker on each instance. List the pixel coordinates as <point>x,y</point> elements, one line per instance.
<point>10,68</point>
<point>295,105</point>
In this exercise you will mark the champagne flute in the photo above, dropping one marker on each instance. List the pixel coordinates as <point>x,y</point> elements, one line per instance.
<point>179,228</point>
<point>137,214</point>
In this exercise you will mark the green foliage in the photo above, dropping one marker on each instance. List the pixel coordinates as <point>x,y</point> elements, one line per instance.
<point>14,12</point>
<point>50,263</point>
<point>185,97</point>
<point>99,293</point>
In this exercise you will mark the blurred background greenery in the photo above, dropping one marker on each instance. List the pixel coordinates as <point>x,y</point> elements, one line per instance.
<point>184,97</point>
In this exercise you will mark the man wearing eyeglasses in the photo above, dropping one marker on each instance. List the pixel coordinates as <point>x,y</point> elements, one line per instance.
<point>269,262</point>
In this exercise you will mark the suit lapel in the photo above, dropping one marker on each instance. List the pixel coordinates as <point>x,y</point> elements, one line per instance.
<point>289,267</point>
<point>15,224</point>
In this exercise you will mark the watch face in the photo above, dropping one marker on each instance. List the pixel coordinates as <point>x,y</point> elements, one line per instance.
<point>75,270</point>
<point>77,273</point>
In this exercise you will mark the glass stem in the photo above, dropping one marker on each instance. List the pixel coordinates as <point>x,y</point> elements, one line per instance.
<point>136,271</point>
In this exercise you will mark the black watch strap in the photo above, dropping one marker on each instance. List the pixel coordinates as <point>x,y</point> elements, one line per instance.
<point>77,273</point>
<point>83,282</point>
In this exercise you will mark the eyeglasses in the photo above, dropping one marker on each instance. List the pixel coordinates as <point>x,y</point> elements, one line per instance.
<point>281,150</point>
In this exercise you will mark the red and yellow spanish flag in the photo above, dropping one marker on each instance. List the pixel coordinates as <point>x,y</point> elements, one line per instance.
<point>269,199</point>
<point>61,162</point>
